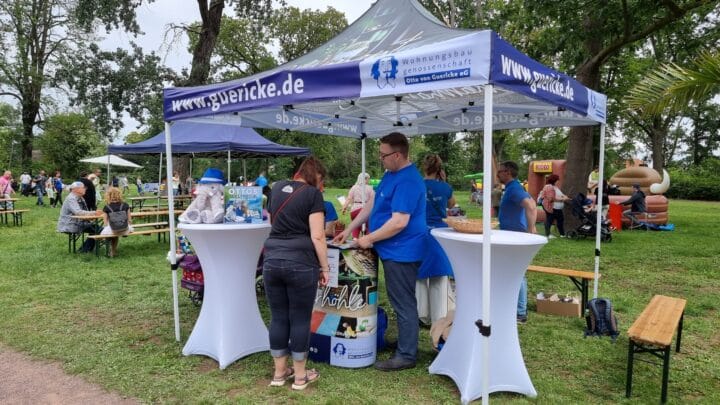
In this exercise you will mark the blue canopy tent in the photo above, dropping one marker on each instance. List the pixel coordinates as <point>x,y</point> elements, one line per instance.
<point>398,68</point>
<point>192,137</point>
<point>209,138</point>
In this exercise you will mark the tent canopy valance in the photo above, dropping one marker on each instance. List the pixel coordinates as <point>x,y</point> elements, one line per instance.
<point>397,68</point>
<point>190,137</point>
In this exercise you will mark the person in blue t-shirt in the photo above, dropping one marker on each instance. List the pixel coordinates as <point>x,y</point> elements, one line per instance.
<point>331,218</point>
<point>398,233</point>
<point>432,289</point>
<point>261,181</point>
<point>517,213</point>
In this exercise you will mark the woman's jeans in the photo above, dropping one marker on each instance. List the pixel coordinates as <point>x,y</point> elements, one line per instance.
<point>558,216</point>
<point>290,288</point>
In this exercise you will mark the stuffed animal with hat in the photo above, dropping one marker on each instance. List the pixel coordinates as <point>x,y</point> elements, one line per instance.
<point>207,207</point>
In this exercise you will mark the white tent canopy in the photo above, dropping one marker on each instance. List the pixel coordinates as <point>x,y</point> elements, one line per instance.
<point>111,160</point>
<point>397,68</point>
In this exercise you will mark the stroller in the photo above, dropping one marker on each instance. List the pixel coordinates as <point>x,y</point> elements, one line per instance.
<point>588,220</point>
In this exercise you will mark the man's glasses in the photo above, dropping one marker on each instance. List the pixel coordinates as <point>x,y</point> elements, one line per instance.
<point>384,155</point>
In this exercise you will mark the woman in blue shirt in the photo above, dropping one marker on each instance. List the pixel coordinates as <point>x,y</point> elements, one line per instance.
<point>432,288</point>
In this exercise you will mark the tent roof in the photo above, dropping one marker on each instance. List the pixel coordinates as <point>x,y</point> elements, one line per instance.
<point>191,137</point>
<point>396,68</point>
<point>112,160</point>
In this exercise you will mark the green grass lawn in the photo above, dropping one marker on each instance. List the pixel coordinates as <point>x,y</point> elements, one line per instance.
<point>110,321</point>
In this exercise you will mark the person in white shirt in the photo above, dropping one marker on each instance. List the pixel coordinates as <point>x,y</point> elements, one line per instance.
<point>25,180</point>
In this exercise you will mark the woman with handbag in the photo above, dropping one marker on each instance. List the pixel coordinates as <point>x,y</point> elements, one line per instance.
<point>295,260</point>
<point>553,202</point>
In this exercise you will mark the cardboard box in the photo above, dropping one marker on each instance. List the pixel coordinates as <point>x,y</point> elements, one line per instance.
<point>548,306</point>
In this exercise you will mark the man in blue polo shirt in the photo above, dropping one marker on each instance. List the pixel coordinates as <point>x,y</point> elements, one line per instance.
<point>517,213</point>
<point>397,232</point>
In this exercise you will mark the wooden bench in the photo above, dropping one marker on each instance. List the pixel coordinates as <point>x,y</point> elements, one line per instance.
<point>16,216</point>
<point>101,240</point>
<point>579,278</point>
<point>150,224</point>
<point>652,332</point>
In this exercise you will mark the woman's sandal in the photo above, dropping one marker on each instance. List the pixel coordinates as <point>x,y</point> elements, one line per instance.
<point>310,377</point>
<point>280,381</point>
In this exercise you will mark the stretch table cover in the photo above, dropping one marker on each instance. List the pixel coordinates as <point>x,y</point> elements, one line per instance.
<point>229,325</point>
<point>461,357</point>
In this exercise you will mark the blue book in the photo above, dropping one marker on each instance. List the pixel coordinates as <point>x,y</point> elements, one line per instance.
<point>243,205</point>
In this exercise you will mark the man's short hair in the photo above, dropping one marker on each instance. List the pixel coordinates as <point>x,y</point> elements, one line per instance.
<point>636,185</point>
<point>398,142</point>
<point>511,167</point>
<point>83,173</point>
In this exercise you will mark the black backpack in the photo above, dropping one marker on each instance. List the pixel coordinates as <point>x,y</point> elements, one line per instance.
<point>118,220</point>
<point>600,319</point>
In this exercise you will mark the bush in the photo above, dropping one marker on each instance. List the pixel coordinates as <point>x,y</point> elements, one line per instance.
<point>696,183</point>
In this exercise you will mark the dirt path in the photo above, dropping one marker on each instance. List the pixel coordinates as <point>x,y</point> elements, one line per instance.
<point>27,381</point>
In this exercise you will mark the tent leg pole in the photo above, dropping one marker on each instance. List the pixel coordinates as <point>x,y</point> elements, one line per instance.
<point>598,206</point>
<point>487,238</point>
<point>171,221</point>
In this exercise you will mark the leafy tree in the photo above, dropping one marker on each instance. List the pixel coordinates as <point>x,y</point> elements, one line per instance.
<point>66,139</point>
<point>240,50</point>
<point>108,84</point>
<point>300,31</point>
<point>675,87</point>
<point>34,35</point>
<point>10,135</point>
<point>586,38</point>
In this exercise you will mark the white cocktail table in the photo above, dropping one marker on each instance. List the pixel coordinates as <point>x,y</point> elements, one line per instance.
<point>461,356</point>
<point>229,325</point>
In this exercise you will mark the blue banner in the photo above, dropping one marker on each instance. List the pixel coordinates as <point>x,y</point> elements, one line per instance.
<point>272,90</point>
<point>515,71</point>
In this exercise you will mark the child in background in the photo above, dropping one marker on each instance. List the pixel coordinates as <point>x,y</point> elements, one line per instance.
<point>114,203</point>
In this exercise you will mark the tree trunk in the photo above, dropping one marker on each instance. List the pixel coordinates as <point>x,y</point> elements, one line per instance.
<point>658,137</point>
<point>211,19</point>
<point>29,113</point>
<point>580,150</point>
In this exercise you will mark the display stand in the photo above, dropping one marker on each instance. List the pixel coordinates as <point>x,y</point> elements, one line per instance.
<point>229,325</point>
<point>461,356</point>
<point>344,323</point>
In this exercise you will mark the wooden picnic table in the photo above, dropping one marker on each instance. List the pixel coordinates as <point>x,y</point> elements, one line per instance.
<point>140,201</point>
<point>15,213</point>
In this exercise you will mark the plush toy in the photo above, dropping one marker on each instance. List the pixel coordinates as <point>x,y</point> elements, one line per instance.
<point>207,207</point>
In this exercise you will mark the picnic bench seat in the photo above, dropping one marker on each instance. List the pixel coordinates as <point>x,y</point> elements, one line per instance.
<point>103,240</point>
<point>16,216</point>
<point>652,332</point>
<point>579,278</point>
<point>150,224</point>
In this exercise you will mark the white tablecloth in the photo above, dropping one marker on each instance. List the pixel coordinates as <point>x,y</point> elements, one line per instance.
<point>461,357</point>
<point>229,325</point>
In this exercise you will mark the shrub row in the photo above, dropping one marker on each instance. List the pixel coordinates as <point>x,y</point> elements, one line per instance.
<point>694,185</point>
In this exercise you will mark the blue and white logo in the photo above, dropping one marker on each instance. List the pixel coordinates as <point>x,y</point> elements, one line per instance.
<point>385,71</point>
<point>339,350</point>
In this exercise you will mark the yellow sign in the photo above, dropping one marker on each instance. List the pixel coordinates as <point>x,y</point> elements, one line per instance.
<point>542,167</point>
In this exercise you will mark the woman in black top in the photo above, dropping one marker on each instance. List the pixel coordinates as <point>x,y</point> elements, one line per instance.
<point>295,260</point>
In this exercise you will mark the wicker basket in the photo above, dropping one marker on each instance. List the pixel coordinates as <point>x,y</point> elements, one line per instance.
<point>465,225</point>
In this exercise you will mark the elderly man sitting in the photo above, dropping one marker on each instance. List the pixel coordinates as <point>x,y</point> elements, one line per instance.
<point>74,204</point>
